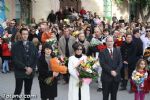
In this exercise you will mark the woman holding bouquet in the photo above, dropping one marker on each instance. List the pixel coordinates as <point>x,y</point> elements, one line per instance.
<point>139,81</point>
<point>48,72</point>
<point>76,92</point>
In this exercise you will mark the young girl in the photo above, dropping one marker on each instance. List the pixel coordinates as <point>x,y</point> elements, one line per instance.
<point>139,80</point>
<point>6,55</point>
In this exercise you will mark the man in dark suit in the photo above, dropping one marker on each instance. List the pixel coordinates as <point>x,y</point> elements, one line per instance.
<point>111,63</point>
<point>24,55</point>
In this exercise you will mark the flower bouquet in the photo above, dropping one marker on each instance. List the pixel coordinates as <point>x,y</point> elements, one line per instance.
<point>51,41</point>
<point>56,51</point>
<point>95,42</point>
<point>101,47</point>
<point>87,72</point>
<point>7,37</point>
<point>138,79</point>
<point>67,21</point>
<point>75,33</point>
<point>49,80</point>
<point>118,41</point>
<point>63,61</point>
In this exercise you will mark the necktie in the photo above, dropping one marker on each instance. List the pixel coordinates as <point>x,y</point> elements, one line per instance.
<point>67,48</point>
<point>111,53</point>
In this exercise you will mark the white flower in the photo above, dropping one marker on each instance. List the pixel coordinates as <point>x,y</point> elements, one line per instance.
<point>47,40</point>
<point>4,36</point>
<point>9,35</point>
<point>89,70</point>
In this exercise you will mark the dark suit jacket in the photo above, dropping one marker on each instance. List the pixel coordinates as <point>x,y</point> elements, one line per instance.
<point>108,64</point>
<point>21,59</point>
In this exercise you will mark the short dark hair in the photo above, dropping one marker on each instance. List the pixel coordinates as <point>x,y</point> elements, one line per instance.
<point>23,29</point>
<point>47,45</point>
<point>76,45</point>
<point>135,31</point>
<point>128,34</point>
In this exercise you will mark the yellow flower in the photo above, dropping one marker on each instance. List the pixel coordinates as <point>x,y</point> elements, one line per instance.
<point>75,33</point>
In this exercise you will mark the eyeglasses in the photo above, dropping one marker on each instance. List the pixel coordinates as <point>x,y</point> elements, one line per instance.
<point>147,30</point>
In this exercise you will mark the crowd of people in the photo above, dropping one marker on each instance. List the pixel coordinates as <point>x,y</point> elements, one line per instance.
<point>122,49</point>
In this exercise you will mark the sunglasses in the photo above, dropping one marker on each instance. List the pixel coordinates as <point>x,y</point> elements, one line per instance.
<point>79,49</point>
<point>147,30</point>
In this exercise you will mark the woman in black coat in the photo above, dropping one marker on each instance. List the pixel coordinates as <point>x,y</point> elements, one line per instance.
<point>48,91</point>
<point>129,58</point>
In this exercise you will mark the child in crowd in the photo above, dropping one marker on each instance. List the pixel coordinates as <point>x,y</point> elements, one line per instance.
<point>6,55</point>
<point>139,83</point>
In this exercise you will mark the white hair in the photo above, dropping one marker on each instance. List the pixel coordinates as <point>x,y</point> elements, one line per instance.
<point>109,36</point>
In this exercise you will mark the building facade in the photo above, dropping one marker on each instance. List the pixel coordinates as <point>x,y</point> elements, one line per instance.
<point>41,8</point>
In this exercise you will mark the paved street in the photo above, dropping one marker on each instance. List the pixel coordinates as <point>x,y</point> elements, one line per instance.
<point>7,85</point>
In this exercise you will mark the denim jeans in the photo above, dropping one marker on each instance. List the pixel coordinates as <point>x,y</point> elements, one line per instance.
<point>5,66</point>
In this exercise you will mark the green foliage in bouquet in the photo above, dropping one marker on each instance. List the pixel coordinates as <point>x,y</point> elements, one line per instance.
<point>49,80</point>
<point>86,69</point>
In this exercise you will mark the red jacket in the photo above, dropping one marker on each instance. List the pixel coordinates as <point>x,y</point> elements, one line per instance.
<point>5,50</point>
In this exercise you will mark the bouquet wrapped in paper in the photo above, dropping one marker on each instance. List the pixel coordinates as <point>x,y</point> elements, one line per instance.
<point>95,42</point>
<point>86,71</point>
<point>56,66</point>
<point>138,79</point>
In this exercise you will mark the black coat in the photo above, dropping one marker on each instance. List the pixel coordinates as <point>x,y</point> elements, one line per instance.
<point>108,64</point>
<point>139,45</point>
<point>22,59</point>
<point>129,53</point>
<point>31,36</point>
<point>51,18</point>
<point>47,91</point>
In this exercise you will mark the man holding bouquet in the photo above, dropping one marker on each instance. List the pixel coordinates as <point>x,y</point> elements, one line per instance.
<point>111,63</point>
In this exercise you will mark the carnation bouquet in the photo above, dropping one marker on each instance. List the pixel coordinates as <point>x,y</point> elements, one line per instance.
<point>86,71</point>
